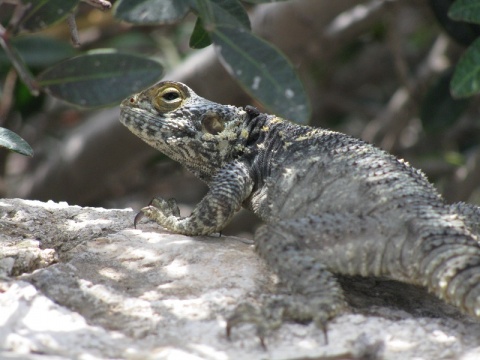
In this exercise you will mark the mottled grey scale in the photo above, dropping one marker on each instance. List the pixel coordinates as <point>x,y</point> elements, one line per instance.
<point>332,204</point>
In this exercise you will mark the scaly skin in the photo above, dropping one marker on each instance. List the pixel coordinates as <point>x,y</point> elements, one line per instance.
<point>332,204</point>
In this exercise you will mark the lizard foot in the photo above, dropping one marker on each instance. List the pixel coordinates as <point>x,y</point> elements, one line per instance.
<point>166,207</point>
<point>280,308</point>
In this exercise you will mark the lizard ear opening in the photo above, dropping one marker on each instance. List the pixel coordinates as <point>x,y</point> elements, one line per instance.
<point>167,98</point>
<point>212,123</point>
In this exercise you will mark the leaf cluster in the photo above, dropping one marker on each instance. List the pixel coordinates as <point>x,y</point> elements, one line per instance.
<point>103,77</point>
<point>447,99</point>
<point>466,78</point>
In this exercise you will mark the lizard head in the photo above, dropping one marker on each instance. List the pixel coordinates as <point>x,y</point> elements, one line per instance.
<point>200,134</point>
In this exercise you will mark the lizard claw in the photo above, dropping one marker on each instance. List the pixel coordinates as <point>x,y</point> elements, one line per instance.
<point>137,218</point>
<point>321,323</point>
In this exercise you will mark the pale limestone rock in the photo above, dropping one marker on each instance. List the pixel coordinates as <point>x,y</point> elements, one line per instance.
<point>82,283</point>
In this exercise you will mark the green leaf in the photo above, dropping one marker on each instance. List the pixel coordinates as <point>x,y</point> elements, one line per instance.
<point>133,41</point>
<point>462,32</point>
<point>100,77</point>
<point>43,13</point>
<point>13,142</point>
<point>263,71</point>
<point>439,110</point>
<point>145,12</point>
<point>200,37</point>
<point>465,10</point>
<point>227,13</point>
<point>466,78</point>
<point>38,51</point>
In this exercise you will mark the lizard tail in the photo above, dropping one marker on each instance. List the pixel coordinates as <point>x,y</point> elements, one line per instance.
<point>448,259</point>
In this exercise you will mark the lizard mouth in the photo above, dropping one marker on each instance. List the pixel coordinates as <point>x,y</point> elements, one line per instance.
<point>153,127</point>
<point>129,115</point>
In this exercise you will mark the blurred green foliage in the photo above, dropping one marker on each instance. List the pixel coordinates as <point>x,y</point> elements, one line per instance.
<point>445,102</point>
<point>104,77</point>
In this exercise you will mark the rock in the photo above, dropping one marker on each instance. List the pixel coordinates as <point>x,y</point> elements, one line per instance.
<point>82,283</point>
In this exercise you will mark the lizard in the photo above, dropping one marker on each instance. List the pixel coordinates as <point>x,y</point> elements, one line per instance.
<point>331,205</point>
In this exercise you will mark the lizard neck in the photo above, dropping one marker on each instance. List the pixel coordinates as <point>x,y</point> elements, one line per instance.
<point>252,138</point>
<point>263,141</point>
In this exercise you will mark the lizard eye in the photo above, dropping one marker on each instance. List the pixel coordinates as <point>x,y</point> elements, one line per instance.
<point>167,98</point>
<point>171,95</point>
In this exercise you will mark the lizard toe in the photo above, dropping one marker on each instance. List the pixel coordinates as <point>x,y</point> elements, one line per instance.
<point>247,313</point>
<point>166,207</point>
<point>280,308</point>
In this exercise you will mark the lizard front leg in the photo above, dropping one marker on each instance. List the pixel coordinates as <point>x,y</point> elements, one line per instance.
<point>228,189</point>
